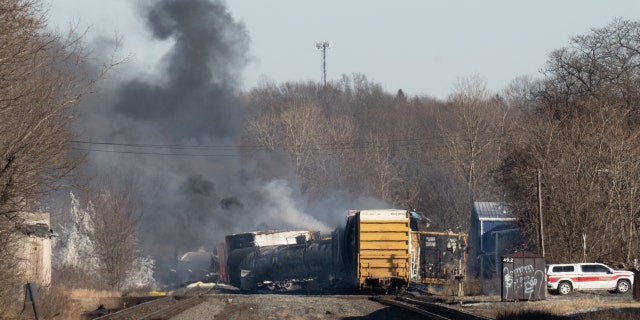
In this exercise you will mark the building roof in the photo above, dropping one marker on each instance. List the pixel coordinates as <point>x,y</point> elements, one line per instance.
<point>523,254</point>
<point>493,211</point>
<point>36,225</point>
<point>37,230</point>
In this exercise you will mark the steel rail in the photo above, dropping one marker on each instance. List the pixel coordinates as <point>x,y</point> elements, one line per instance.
<point>172,310</point>
<point>162,308</point>
<point>456,314</point>
<point>405,306</point>
<point>131,312</point>
<point>430,310</point>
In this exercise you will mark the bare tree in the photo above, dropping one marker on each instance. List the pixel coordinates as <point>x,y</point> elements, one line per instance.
<point>619,181</point>
<point>582,133</point>
<point>100,236</point>
<point>11,278</point>
<point>39,85</point>
<point>311,137</point>
<point>590,180</point>
<point>473,128</point>
<point>520,94</point>
<point>115,213</point>
<point>42,77</point>
<point>384,172</point>
<point>602,64</point>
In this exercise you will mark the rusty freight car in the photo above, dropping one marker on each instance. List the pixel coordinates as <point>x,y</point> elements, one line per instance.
<point>378,249</point>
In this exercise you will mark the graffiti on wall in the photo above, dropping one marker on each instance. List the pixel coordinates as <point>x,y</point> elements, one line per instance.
<point>523,282</point>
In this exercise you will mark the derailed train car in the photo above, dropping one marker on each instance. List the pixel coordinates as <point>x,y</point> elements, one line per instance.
<point>442,256</point>
<point>282,266</point>
<point>378,249</point>
<point>279,259</point>
<point>373,252</point>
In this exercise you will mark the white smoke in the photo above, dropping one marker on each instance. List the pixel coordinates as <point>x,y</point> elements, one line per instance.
<point>281,208</point>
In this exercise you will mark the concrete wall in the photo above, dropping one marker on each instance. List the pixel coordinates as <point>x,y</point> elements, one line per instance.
<point>36,253</point>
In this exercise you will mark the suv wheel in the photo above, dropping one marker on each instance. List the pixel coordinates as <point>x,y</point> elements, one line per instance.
<point>565,287</point>
<point>623,286</point>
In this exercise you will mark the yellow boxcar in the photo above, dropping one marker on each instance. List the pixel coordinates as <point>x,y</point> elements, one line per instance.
<point>383,249</point>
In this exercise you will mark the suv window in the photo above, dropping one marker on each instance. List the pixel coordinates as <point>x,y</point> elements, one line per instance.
<point>562,269</point>
<point>595,268</point>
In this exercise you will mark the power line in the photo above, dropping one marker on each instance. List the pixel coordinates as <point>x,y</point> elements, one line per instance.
<point>156,153</point>
<point>168,146</point>
<point>323,146</point>
<point>147,149</point>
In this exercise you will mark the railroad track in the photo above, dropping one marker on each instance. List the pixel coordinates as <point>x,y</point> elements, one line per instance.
<point>429,310</point>
<point>158,309</point>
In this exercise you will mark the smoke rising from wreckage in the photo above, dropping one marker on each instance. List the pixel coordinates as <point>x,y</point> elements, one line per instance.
<point>189,104</point>
<point>192,104</point>
<point>376,250</point>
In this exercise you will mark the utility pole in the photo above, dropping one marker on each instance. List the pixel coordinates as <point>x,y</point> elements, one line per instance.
<point>323,46</point>
<point>540,212</point>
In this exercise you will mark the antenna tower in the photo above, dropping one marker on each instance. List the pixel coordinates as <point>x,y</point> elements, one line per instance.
<point>323,46</point>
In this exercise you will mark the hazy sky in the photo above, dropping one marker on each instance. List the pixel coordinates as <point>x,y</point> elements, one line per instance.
<point>420,46</point>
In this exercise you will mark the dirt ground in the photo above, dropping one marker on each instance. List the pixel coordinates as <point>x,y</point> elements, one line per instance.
<point>298,307</point>
<point>292,307</point>
<point>230,304</point>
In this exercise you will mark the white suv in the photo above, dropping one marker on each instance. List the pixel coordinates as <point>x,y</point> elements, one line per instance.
<point>562,278</point>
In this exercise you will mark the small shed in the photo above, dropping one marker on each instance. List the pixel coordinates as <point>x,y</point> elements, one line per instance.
<point>523,277</point>
<point>493,232</point>
<point>35,252</point>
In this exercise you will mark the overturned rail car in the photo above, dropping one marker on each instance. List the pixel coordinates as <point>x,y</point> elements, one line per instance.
<point>372,252</point>
<point>282,266</point>
<point>280,259</point>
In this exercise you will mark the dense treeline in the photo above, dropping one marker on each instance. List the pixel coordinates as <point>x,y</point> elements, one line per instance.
<point>351,136</point>
<point>577,126</point>
<point>581,131</point>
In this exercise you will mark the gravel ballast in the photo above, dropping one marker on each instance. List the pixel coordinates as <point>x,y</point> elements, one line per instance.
<point>294,307</point>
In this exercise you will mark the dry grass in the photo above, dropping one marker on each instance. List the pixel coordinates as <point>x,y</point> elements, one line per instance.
<point>587,308</point>
<point>60,302</point>
<point>64,299</point>
<point>54,303</point>
<point>79,293</point>
<point>471,287</point>
<point>85,300</point>
<point>68,298</point>
<point>549,307</point>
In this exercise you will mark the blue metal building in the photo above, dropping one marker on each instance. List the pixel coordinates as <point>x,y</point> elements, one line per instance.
<point>493,233</point>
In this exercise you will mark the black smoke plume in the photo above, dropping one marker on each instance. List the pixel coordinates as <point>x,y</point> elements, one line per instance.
<point>176,128</point>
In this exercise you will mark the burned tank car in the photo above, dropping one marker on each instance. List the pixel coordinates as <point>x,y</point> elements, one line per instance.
<point>282,266</point>
<point>281,260</point>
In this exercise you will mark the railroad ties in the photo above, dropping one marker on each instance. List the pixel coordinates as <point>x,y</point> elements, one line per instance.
<point>161,308</point>
<point>429,310</point>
